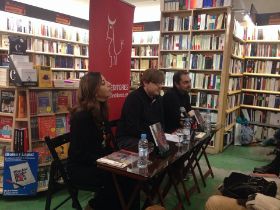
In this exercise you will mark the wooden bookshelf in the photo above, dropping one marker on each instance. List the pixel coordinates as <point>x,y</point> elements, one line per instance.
<point>261,91</point>
<point>230,126</point>
<point>262,58</point>
<point>66,44</point>
<point>261,75</point>
<point>144,55</point>
<point>234,92</point>
<point>232,109</point>
<point>264,41</point>
<point>223,32</point>
<point>260,108</point>
<point>237,57</point>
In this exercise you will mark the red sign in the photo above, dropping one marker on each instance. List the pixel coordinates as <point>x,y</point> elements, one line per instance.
<point>13,8</point>
<point>110,40</point>
<point>62,19</point>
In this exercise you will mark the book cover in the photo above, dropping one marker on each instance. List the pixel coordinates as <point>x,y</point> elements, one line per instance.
<point>7,101</point>
<point>159,137</point>
<point>44,155</point>
<point>20,174</point>
<point>64,101</point>
<point>46,127</point>
<point>44,102</point>
<point>44,76</point>
<point>3,149</point>
<point>6,124</point>
<point>43,177</point>
<point>60,124</point>
<point>21,105</point>
<point>120,159</point>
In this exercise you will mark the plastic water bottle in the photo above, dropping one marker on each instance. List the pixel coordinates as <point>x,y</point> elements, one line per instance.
<point>186,131</point>
<point>208,121</point>
<point>143,151</point>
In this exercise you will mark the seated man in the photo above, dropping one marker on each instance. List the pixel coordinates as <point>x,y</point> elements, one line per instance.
<point>142,108</point>
<point>176,98</point>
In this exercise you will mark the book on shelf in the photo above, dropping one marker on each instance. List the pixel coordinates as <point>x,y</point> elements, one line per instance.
<point>60,125</point>
<point>120,159</point>
<point>4,76</point>
<point>4,147</point>
<point>44,155</point>
<point>4,41</point>
<point>22,108</point>
<point>43,177</point>
<point>46,127</point>
<point>44,102</point>
<point>44,76</point>
<point>34,128</point>
<point>7,101</point>
<point>21,143</point>
<point>62,100</point>
<point>6,127</point>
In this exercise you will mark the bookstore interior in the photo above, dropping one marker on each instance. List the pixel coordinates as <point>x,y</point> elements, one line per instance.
<point>230,50</point>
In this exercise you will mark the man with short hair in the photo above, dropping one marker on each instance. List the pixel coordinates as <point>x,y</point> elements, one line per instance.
<point>175,98</point>
<point>142,108</point>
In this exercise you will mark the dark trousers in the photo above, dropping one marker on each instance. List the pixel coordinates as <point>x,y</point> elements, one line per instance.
<point>106,197</point>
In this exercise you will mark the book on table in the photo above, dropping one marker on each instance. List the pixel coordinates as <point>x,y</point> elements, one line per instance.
<point>120,159</point>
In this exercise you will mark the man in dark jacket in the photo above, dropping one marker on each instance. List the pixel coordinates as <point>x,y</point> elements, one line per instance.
<point>142,108</point>
<point>175,98</point>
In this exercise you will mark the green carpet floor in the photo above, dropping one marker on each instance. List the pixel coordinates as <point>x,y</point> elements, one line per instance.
<point>235,158</point>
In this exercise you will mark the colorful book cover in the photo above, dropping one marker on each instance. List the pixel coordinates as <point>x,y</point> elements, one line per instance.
<point>43,177</point>
<point>46,126</point>
<point>6,124</point>
<point>60,124</point>
<point>44,155</point>
<point>7,101</point>
<point>20,174</point>
<point>3,149</point>
<point>45,76</point>
<point>64,101</point>
<point>44,102</point>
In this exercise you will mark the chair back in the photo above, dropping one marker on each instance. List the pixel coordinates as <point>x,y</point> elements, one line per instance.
<point>56,142</point>
<point>53,144</point>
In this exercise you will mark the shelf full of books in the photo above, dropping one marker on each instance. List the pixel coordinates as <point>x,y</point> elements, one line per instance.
<point>63,48</point>
<point>58,54</point>
<point>194,38</point>
<point>144,54</point>
<point>260,102</point>
<point>28,115</point>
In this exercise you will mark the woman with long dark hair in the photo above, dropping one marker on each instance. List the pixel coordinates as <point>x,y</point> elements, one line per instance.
<point>88,129</point>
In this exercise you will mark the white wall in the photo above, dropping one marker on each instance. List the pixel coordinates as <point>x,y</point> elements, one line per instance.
<point>144,11</point>
<point>77,8</point>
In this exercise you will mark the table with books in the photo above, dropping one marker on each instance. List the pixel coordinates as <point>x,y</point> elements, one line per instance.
<point>149,180</point>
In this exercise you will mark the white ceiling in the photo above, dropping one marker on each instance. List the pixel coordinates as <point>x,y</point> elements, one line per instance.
<point>262,6</point>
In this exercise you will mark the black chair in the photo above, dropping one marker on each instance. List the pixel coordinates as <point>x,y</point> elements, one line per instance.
<point>58,171</point>
<point>202,153</point>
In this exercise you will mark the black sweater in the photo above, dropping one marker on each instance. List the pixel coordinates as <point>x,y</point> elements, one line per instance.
<point>173,99</point>
<point>138,113</point>
<point>86,140</point>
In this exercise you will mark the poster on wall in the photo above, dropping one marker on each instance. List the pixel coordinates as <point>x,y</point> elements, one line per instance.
<point>110,40</point>
<point>20,174</point>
